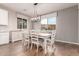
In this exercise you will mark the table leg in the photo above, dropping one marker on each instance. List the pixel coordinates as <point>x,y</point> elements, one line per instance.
<point>45,47</point>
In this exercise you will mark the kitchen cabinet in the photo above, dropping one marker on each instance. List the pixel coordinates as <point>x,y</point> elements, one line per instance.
<point>3,17</point>
<point>4,37</point>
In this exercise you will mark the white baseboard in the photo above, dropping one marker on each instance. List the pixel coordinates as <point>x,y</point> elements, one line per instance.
<point>67,42</point>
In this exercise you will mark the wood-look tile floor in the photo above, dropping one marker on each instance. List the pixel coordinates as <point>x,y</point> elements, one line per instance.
<point>16,49</point>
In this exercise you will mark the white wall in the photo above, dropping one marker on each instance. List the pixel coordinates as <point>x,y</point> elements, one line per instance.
<point>36,25</point>
<point>54,14</point>
<point>12,21</point>
<point>67,25</point>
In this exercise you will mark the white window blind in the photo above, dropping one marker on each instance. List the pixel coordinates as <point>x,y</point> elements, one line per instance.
<point>44,21</point>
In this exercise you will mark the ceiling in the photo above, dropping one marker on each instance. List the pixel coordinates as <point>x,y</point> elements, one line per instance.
<point>42,8</point>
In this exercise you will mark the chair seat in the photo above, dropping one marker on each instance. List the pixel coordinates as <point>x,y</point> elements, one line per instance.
<point>33,40</point>
<point>41,40</point>
<point>48,41</point>
<point>33,37</point>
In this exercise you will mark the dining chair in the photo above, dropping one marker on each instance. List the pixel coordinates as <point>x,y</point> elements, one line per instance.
<point>50,44</point>
<point>42,43</point>
<point>26,40</point>
<point>34,40</point>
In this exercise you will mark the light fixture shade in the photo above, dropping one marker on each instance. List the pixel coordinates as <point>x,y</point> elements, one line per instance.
<point>35,18</point>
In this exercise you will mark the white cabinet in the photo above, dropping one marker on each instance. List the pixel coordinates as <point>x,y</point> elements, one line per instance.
<point>3,17</point>
<point>16,35</point>
<point>4,37</point>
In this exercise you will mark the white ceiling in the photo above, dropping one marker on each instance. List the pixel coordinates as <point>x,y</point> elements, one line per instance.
<point>42,8</point>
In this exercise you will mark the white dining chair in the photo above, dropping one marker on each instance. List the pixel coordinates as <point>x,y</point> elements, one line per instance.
<point>34,40</point>
<point>26,40</point>
<point>50,44</point>
<point>42,43</point>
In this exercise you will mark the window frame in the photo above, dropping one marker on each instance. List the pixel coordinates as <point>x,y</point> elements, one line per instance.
<point>46,24</point>
<point>22,25</point>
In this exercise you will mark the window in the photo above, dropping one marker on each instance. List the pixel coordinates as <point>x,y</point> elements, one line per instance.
<point>48,23</point>
<point>52,20</point>
<point>24,23</point>
<point>52,23</point>
<point>21,23</point>
<point>44,24</point>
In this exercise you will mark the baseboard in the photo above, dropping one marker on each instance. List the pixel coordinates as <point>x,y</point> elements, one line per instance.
<point>16,41</point>
<point>67,42</point>
<point>4,44</point>
<point>9,43</point>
